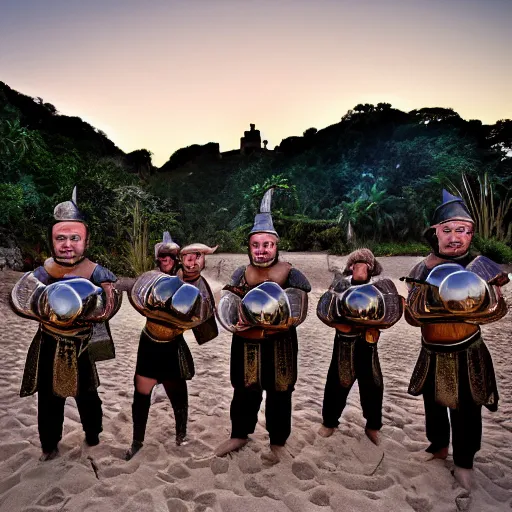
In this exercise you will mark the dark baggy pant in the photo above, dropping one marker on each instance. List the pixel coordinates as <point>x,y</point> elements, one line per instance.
<point>177,392</point>
<point>466,422</point>
<point>276,369</point>
<point>278,413</point>
<point>370,391</point>
<point>50,408</point>
<point>50,416</point>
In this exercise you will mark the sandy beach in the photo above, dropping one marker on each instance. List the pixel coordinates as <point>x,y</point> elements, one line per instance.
<point>342,473</point>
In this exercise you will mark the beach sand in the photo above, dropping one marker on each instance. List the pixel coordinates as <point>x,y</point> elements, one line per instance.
<point>342,473</point>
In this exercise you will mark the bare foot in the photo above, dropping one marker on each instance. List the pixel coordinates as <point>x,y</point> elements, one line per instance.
<point>134,448</point>
<point>49,455</point>
<point>372,435</point>
<point>280,452</point>
<point>464,476</point>
<point>440,454</point>
<point>325,431</point>
<point>230,445</point>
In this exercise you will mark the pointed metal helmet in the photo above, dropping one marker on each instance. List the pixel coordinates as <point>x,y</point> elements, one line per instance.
<point>166,246</point>
<point>452,208</point>
<point>263,220</point>
<point>68,211</point>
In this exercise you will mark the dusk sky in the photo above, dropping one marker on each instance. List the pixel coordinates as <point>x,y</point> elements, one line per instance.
<point>163,74</point>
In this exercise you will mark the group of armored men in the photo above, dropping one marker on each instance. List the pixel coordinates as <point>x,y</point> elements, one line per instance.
<point>451,292</point>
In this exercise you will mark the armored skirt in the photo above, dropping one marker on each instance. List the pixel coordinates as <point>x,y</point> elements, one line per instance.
<point>269,364</point>
<point>163,361</point>
<point>60,364</point>
<point>451,367</point>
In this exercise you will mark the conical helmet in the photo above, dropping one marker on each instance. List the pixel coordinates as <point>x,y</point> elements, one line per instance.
<point>68,210</point>
<point>263,220</point>
<point>166,246</point>
<point>452,208</point>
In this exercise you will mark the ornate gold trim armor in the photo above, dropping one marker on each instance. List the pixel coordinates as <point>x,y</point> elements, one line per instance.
<point>452,293</point>
<point>447,360</point>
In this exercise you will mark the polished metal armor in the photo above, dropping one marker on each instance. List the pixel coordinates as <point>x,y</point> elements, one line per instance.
<point>170,300</point>
<point>266,306</point>
<point>73,303</point>
<point>375,304</point>
<point>452,293</point>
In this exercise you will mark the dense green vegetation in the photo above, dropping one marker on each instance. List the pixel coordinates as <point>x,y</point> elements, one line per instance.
<point>378,173</point>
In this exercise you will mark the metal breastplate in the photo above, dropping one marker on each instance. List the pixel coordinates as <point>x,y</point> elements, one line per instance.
<point>452,293</point>
<point>168,300</point>
<point>369,305</point>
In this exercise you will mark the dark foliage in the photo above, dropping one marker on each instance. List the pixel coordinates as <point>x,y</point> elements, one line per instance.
<point>377,174</point>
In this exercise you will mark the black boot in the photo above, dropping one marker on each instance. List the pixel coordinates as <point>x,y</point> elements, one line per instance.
<point>140,412</point>
<point>181,417</point>
<point>178,395</point>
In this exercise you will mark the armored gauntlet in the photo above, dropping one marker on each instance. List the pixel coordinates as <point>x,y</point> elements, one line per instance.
<point>168,299</point>
<point>266,306</point>
<point>66,303</point>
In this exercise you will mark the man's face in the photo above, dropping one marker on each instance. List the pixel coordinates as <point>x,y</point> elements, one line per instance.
<point>454,237</point>
<point>69,241</point>
<point>193,263</point>
<point>263,249</point>
<point>360,272</point>
<point>165,262</point>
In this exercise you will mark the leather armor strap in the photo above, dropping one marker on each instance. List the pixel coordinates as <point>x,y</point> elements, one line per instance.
<point>160,332</point>
<point>83,269</point>
<point>448,332</point>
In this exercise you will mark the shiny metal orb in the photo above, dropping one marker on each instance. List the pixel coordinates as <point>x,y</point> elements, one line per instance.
<point>363,302</point>
<point>266,305</point>
<point>185,299</point>
<point>463,292</point>
<point>64,302</point>
<point>163,290</point>
<point>437,274</point>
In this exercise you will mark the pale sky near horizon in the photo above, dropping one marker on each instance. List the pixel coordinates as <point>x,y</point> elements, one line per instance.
<point>165,74</point>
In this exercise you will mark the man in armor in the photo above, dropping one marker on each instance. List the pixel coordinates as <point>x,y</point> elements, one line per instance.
<point>357,308</point>
<point>173,298</point>
<point>262,306</point>
<point>452,292</point>
<point>72,298</point>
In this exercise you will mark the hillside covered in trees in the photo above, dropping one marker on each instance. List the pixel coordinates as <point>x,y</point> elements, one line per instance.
<point>379,171</point>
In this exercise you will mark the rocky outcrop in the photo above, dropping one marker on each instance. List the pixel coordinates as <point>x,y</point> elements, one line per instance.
<point>10,257</point>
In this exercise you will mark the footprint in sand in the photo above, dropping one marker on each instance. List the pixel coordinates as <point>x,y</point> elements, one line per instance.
<point>113,471</point>
<point>303,470</point>
<point>463,501</point>
<point>178,492</point>
<point>320,497</point>
<point>53,496</point>
<point>249,462</point>
<point>10,449</point>
<point>9,483</point>
<point>178,471</point>
<point>419,503</point>
<point>219,465</point>
<point>259,490</point>
<point>208,499</point>
<point>177,505</point>
<point>143,501</point>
